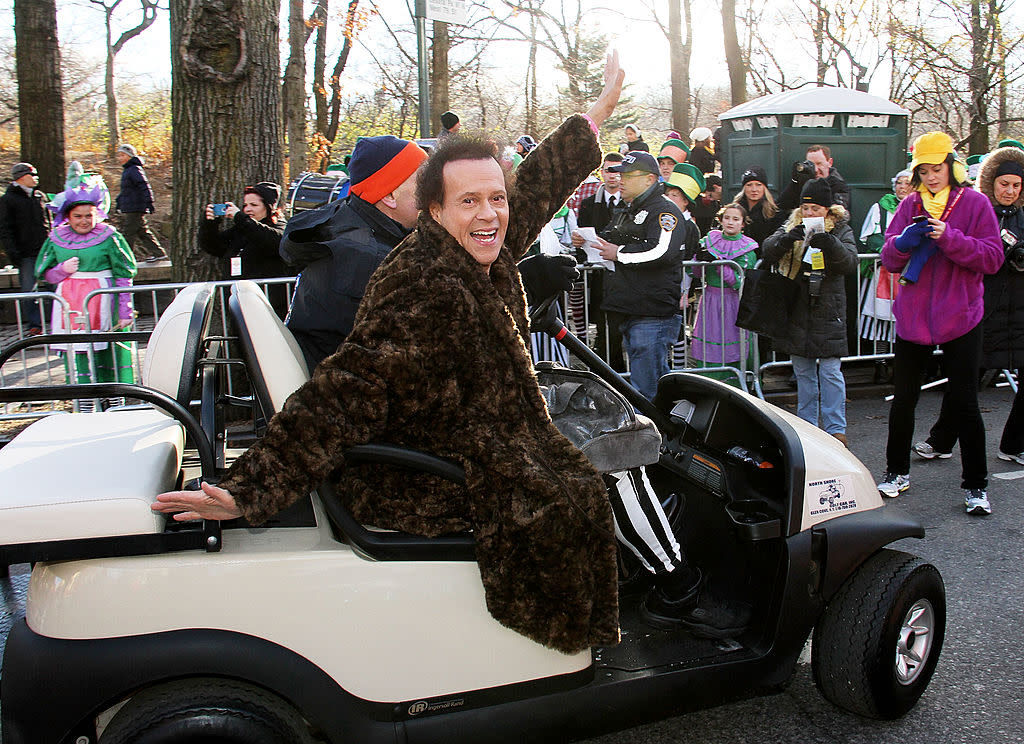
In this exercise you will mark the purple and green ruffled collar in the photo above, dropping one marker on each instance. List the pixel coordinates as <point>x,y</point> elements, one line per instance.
<point>65,237</point>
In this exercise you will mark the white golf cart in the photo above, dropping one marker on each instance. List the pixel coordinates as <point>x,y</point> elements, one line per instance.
<point>315,628</point>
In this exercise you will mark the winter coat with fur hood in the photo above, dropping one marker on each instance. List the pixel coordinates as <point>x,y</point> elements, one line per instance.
<point>1004,290</point>
<point>439,360</point>
<point>817,325</point>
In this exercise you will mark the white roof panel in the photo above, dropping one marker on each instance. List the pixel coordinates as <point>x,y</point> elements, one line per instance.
<point>815,100</point>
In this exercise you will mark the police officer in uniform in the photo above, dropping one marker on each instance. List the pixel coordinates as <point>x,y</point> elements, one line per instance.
<point>646,243</point>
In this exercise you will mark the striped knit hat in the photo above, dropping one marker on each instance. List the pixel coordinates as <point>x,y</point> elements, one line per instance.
<point>379,165</point>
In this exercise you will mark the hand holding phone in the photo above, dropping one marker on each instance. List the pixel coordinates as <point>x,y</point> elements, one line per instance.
<point>219,210</point>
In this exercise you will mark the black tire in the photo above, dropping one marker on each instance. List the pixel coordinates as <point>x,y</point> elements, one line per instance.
<point>856,649</point>
<point>212,711</point>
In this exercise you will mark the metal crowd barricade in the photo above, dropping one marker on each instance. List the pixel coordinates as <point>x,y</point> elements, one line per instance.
<point>880,326</point>
<point>37,364</point>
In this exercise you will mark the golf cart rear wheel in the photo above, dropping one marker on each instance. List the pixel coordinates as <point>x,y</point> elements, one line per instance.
<point>878,641</point>
<point>206,710</point>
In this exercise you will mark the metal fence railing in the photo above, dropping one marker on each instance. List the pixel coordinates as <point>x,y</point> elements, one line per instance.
<point>45,365</point>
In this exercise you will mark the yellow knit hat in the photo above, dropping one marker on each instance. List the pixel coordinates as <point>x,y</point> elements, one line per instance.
<point>931,148</point>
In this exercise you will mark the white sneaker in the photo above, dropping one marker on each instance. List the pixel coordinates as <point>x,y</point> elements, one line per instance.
<point>976,502</point>
<point>927,452</point>
<point>893,484</point>
<point>1018,458</point>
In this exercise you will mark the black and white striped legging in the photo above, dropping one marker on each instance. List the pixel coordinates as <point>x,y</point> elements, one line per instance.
<point>640,521</point>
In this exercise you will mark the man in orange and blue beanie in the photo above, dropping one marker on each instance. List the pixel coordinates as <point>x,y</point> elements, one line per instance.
<point>338,246</point>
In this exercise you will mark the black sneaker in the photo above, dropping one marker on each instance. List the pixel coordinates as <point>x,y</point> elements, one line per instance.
<point>702,614</point>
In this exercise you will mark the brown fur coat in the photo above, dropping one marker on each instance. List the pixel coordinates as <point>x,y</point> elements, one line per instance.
<point>438,360</point>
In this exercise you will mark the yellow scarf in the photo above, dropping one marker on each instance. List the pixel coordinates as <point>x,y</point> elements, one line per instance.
<point>934,204</point>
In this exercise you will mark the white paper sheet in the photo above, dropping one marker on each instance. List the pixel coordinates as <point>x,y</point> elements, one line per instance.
<point>592,249</point>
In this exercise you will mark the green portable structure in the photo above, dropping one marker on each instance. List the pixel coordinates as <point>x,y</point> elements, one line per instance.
<point>866,134</point>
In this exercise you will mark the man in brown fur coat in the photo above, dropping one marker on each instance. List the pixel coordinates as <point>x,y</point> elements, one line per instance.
<point>438,360</point>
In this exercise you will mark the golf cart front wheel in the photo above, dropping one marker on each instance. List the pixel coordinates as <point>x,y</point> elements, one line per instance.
<point>878,641</point>
<point>206,710</point>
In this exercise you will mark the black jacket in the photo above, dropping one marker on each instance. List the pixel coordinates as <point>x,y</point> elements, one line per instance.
<point>760,228</point>
<point>1004,302</point>
<point>703,159</point>
<point>790,197</point>
<point>705,211</point>
<point>648,270</point>
<point>24,223</point>
<point>336,247</point>
<point>258,244</point>
<point>817,325</point>
<point>136,194</point>
<point>595,211</point>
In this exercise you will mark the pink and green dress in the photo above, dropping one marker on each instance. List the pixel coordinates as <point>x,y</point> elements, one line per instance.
<point>716,339</point>
<point>104,260</point>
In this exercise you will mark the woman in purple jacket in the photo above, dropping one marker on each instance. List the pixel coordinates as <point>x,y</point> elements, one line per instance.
<point>943,238</point>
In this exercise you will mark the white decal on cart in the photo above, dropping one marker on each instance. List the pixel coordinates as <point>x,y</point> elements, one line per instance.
<point>830,495</point>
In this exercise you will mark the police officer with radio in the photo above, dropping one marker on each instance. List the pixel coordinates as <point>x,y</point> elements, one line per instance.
<point>645,241</point>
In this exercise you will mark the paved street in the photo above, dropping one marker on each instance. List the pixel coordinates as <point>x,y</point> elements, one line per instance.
<point>977,694</point>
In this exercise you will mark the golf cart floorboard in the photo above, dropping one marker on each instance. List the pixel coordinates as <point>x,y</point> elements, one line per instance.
<point>645,649</point>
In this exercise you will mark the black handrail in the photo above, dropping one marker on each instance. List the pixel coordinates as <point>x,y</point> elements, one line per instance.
<point>71,338</point>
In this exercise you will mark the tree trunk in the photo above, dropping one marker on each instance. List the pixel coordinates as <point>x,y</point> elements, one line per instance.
<point>439,82</point>
<point>113,120</point>
<point>40,98</point>
<point>293,99</point>
<point>531,81</point>
<point>320,67</point>
<point>733,56</point>
<point>349,33</point>
<point>679,63</point>
<point>818,32</point>
<point>977,143</point>
<point>225,112</point>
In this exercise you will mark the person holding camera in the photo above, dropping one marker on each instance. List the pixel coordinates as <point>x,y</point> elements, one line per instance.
<point>1000,180</point>
<point>249,245</point>
<point>817,163</point>
<point>954,229</point>
<point>818,258</point>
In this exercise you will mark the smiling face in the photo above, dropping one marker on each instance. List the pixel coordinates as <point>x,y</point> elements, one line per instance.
<point>1006,189</point>
<point>82,218</point>
<point>475,208</point>
<point>935,176</point>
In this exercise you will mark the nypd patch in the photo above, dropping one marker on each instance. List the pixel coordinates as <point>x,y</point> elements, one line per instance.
<point>668,221</point>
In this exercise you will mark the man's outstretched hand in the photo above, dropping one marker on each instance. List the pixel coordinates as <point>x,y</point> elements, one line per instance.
<point>609,96</point>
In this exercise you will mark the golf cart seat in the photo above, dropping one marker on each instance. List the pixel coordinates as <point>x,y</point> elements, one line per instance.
<point>114,463</point>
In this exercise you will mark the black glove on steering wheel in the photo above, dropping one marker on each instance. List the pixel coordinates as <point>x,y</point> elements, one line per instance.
<point>546,276</point>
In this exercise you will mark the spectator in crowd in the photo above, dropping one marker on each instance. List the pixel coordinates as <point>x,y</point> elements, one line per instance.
<point>81,254</point>
<point>524,145</point>
<point>703,154</point>
<point>134,202</point>
<point>942,306</point>
<point>672,153</point>
<point>24,224</point>
<point>596,211</point>
<point>878,285</point>
<point>339,245</point>
<point>250,246</point>
<point>716,339</point>
<point>817,164</point>
<point>705,208</point>
<point>763,215</point>
<point>683,186</point>
<point>450,124</point>
<point>1003,326</point>
<point>553,576</point>
<point>818,261</point>
<point>634,140</point>
<point>645,241</point>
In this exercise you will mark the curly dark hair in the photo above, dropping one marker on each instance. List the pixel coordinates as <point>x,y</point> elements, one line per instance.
<point>430,180</point>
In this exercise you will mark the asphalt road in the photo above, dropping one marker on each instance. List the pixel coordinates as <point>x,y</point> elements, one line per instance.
<point>977,693</point>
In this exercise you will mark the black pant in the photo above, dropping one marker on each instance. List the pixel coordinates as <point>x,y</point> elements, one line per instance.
<point>135,229</point>
<point>961,359</point>
<point>944,435</point>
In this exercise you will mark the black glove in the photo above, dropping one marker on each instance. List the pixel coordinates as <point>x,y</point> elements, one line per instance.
<point>546,276</point>
<point>797,233</point>
<point>820,240</point>
<point>705,255</point>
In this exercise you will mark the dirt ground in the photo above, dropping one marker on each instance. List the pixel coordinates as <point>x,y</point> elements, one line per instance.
<point>158,172</point>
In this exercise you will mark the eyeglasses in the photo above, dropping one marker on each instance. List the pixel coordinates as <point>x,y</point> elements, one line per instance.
<point>634,174</point>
